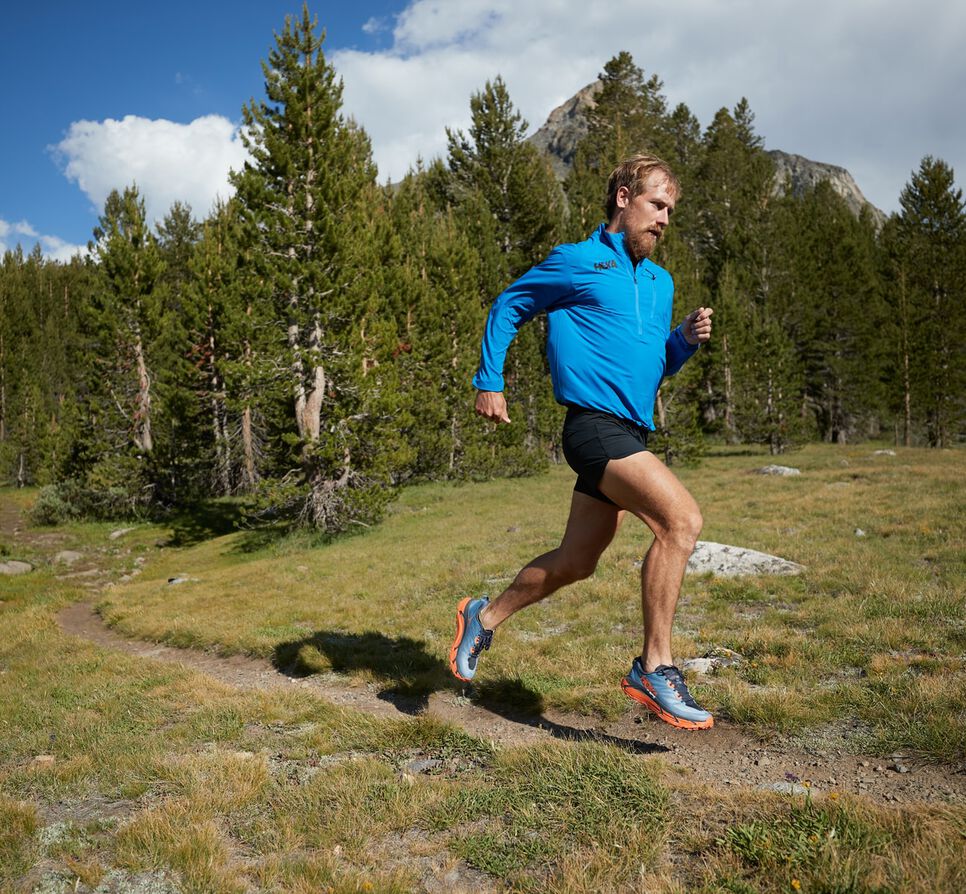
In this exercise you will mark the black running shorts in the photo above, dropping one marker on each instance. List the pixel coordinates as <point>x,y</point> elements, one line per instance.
<point>591,439</point>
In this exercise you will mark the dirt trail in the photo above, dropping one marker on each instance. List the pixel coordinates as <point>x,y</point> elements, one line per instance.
<point>721,757</point>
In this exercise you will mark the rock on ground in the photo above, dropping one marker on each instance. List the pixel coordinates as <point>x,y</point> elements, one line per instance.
<point>733,561</point>
<point>772,469</point>
<point>68,556</point>
<point>15,567</point>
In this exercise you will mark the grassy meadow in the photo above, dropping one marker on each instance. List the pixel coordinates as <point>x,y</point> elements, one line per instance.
<point>121,774</point>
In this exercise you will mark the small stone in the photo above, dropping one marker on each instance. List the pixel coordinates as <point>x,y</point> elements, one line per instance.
<point>784,788</point>
<point>900,768</point>
<point>43,760</point>
<point>68,556</point>
<point>700,666</point>
<point>762,760</point>
<point>13,566</point>
<point>863,763</point>
<point>859,532</point>
<point>880,769</point>
<point>140,560</point>
<point>772,469</point>
<point>120,532</point>
<point>884,453</point>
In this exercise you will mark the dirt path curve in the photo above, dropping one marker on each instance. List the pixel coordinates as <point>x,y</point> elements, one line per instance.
<point>721,757</point>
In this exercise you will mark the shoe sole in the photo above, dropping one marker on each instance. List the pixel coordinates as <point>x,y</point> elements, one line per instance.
<point>460,627</point>
<point>633,692</point>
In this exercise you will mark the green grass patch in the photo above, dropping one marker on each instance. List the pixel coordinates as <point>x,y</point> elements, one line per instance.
<point>379,606</point>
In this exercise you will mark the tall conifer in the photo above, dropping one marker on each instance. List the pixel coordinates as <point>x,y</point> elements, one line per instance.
<point>305,196</point>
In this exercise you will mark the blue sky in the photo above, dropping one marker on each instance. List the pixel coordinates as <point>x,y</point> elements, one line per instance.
<point>102,93</point>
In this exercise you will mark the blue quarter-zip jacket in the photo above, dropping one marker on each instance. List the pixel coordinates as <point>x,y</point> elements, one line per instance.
<point>608,342</point>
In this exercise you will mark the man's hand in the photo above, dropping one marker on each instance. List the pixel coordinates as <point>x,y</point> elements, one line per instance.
<point>492,405</point>
<point>696,327</point>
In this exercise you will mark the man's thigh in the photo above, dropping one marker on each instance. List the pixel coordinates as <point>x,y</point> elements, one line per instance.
<point>591,526</point>
<point>643,485</point>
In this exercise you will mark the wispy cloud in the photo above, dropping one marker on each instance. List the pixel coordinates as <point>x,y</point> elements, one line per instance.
<point>168,161</point>
<point>376,24</point>
<point>23,234</point>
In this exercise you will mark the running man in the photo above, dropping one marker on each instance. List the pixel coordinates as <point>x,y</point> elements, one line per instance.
<point>609,346</point>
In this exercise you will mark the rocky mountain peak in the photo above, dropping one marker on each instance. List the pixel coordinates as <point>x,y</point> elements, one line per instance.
<point>567,125</point>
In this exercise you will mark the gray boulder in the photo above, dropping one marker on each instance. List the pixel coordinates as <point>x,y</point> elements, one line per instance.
<point>15,567</point>
<point>733,561</point>
<point>68,556</point>
<point>772,469</point>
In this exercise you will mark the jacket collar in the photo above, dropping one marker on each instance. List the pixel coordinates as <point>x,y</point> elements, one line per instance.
<point>616,242</point>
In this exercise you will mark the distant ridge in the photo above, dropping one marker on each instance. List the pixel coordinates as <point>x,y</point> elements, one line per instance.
<point>567,125</point>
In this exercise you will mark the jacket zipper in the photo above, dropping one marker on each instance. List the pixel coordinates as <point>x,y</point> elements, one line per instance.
<point>637,306</point>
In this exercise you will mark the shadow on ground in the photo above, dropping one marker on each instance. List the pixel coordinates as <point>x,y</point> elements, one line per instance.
<point>410,675</point>
<point>204,521</point>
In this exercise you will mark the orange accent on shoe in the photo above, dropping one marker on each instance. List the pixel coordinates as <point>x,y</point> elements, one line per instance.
<point>652,706</point>
<point>460,627</point>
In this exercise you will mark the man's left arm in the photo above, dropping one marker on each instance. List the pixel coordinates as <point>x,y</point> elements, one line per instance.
<point>685,340</point>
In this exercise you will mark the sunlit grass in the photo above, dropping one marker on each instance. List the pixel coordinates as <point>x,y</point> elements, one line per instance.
<point>380,606</point>
<point>150,771</point>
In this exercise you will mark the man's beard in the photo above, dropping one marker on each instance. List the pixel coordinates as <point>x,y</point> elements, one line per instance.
<point>640,244</point>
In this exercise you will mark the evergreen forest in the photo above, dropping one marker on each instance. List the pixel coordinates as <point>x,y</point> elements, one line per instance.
<point>309,344</point>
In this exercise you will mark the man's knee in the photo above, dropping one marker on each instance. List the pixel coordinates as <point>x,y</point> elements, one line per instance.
<point>685,528</point>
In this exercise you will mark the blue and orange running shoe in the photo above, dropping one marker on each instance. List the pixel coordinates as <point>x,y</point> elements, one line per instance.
<point>664,693</point>
<point>471,638</point>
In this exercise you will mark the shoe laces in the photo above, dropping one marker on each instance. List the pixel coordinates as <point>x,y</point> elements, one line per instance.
<point>676,679</point>
<point>481,642</point>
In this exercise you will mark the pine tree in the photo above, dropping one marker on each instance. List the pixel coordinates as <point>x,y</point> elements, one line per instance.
<point>731,193</point>
<point>440,317</point>
<point>304,197</point>
<point>928,291</point>
<point>825,293</point>
<point>629,117</point>
<point>113,453</point>
<point>508,199</point>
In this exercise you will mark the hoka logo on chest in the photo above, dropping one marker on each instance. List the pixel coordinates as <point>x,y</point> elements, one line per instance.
<point>605,265</point>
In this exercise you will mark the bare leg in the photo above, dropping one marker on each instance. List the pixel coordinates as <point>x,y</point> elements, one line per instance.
<point>590,528</point>
<point>642,484</point>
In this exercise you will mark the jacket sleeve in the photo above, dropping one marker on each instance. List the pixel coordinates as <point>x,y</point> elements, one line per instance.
<point>538,289</point>
<point>676,351</point>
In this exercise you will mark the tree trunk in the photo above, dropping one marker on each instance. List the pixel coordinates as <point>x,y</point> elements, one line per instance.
<point>3,394</point>
<point>219,421</point>
<point>906,379</point>
<point>142,414</point>
<point>249,474</point>
<point>729,411</point>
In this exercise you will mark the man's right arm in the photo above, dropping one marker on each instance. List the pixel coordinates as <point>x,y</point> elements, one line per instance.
<point>538,289</point>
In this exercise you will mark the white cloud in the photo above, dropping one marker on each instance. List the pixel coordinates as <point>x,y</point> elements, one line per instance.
<point>375,24</point>
<point>53,247</point>
<point>857,84</point>
<point>168,161</point>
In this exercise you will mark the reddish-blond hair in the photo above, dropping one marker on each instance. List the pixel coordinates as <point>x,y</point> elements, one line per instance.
<point>634,173</point>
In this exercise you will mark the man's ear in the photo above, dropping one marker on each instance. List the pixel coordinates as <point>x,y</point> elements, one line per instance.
<point>623,197</point>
